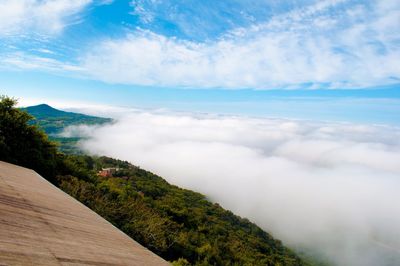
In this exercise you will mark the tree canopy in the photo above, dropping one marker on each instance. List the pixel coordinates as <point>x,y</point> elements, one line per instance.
<point>24,144</point>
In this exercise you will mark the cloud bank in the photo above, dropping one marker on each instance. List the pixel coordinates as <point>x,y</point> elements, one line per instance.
<point>330,188</point>
<point>330,44</point>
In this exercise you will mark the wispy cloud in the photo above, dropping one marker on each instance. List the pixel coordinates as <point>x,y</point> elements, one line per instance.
<point>332,44</point>
<point>207,19</point>
<point>144,15</point>
<point>22,16</point>
<point>331,188</point>
<point>28,61</point>
<point>104,2</point>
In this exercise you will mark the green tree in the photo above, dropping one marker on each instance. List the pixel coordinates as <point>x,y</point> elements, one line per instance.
<point>24,144</point>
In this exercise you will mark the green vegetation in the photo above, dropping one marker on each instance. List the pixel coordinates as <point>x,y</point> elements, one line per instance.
<point>173,222</point>
<point>54,121</point>
<point>180,225</point>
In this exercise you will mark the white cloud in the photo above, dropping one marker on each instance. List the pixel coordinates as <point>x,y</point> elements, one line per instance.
<point>44,16</point>
<point>329,187</point>
<point>27,61</point>
<point>329,44</point>
<point>138,10</point>
<point>104,2</point>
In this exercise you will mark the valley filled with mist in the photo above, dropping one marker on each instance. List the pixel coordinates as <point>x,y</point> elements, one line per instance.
<point>325,187</point>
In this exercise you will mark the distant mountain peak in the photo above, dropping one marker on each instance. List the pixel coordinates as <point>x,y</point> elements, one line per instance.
<point>42,106</point>
<point>43,110</point>
<point>54,121</point>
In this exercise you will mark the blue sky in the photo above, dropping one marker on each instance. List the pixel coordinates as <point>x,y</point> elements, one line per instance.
<point>333,59</point>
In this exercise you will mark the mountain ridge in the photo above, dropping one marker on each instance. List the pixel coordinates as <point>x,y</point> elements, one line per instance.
<point>45,110</point>
<point>53,121</point>
<point>45,115</point>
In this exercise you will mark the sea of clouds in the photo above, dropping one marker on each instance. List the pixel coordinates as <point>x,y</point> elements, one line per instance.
<point>327,187</point>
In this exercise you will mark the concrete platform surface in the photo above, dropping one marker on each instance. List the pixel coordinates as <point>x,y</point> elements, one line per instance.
<point>42,225</point>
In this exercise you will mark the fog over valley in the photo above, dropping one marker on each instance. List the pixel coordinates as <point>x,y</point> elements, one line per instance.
<point>328,188</point>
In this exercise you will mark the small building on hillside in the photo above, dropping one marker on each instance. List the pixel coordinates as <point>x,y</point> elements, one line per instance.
<point>107,172</point>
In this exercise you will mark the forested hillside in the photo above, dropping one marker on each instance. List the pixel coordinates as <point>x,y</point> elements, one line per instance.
<point>180,225</point>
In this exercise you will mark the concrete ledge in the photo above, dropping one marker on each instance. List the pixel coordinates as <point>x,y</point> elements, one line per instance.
<point>42,225</point>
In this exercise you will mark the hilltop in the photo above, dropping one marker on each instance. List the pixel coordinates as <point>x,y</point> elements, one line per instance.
<point>54,121</point>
